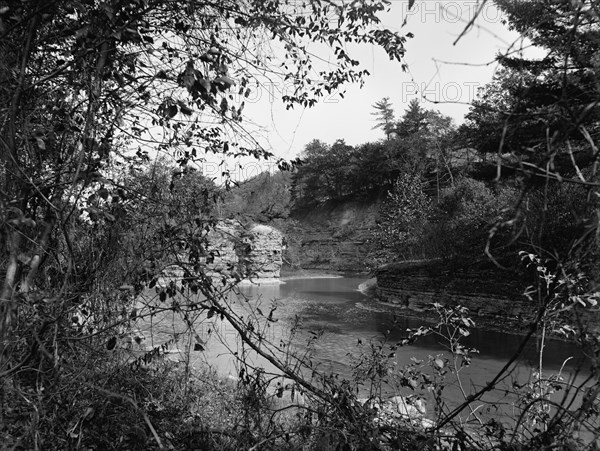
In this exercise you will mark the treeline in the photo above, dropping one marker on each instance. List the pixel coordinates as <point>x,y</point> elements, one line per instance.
<point>418,143</point>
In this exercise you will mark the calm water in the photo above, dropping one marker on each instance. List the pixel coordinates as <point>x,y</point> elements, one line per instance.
<point>336,309</point>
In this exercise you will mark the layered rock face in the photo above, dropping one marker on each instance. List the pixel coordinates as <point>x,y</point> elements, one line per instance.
<point>484,291</point>
<point>495,297</point>
<point>254,252</point>
<point>334,236</point>
<point>224,248</point>
<point>263,252</point>
<point>235,251</point>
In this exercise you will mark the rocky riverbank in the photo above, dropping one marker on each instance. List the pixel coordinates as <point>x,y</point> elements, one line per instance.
<point>494,297</point>
<point>483,290</point>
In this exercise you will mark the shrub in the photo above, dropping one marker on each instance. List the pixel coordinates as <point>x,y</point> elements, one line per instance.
<point>470,209</point>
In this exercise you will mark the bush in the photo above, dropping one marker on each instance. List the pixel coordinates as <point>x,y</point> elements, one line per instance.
<point>402,218</point>
<point>469,211</point>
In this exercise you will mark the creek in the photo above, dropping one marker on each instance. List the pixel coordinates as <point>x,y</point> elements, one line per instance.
<point>342,317</point>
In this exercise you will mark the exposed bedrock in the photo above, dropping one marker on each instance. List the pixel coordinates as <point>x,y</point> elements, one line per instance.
<point>486,291</point>
<point>238,251</point>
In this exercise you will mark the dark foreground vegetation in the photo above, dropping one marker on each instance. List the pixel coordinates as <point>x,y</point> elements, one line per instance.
<point>92,91</point>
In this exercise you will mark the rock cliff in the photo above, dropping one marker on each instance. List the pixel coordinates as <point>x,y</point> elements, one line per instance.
<point>253,251</point>
<point>224,248</point>
<point>334,236</point>
<point>485,291</point>
<point>263,251</point>
<point>488,293</point>
<point>238,251</point>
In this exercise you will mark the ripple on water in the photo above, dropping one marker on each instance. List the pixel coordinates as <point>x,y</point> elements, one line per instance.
<point>369,308</point>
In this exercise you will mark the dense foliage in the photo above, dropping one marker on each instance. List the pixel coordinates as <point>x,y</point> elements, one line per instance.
<point>416,145</point>
<point>264,198</point>
<point>90,93</point>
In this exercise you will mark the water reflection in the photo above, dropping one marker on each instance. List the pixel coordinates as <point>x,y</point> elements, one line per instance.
<point>336,306</point>
<point>345,317</point>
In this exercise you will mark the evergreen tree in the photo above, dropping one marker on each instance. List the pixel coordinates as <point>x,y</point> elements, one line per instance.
<point>533,106</point>
<point>384,116</point>
<point>414,119</point>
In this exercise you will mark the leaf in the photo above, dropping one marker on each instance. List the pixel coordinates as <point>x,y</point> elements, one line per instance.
<point>171,111</point>
<point>110,345</point>
<point>184,108</point>
<point>162,296</point>
<point>224,105</point>
<point>198,347</point>
<point>210,313</point>
<point>223,82</point>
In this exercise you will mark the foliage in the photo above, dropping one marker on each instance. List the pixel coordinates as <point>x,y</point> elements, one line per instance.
<point>413,121</point>
<point>494,123</point>
<point>322,175</point>
<point>470,208</point>
<point>263,198</point>
<point>90,89</point>
<point>534,106</point>
<point>402,217</point>
<point>89,92</point>
<point>370,170</point>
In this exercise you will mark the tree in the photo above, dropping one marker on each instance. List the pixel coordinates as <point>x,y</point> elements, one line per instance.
<point>414,119</point>
<point>541,116</point>
<point>402,217</point>
<point>263,198</point>
<point>324,173</point>
<point>384,114</point>
<point>534,106</point>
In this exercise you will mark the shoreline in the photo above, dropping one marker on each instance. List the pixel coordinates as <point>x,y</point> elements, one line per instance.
<point>505,325</point>
<point>288,275</point>
<point>293,274</point>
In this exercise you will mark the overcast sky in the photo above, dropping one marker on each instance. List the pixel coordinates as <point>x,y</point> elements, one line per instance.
<point>439,71</point>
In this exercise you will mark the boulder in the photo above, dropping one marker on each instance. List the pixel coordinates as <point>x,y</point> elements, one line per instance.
<point>399,410</point>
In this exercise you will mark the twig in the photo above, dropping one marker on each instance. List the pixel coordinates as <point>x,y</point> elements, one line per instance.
<point>490,385</point>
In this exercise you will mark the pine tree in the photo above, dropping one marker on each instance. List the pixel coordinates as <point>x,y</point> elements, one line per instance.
<point>385,116</point>
<point>535,105</point>
<point>414,119</point>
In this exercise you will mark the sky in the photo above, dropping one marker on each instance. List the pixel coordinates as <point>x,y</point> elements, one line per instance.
<point>439,70</point>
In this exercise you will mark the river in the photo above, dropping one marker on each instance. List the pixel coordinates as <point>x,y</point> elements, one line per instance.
<point>335,310</point>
